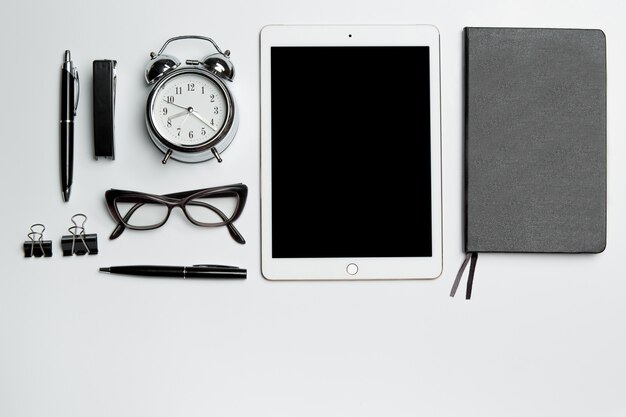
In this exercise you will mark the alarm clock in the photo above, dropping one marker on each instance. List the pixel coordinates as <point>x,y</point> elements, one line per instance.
<point>191,114</point>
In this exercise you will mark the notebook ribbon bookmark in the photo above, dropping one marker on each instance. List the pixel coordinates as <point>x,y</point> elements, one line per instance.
<point>473,257</point>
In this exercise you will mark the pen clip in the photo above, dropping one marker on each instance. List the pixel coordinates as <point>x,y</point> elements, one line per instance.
<point>77,89</point>
<point>114,81</point>
<point>217,266</point>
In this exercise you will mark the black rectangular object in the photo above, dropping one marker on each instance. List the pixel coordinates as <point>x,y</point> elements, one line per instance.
<point>79,244</point>
<point>535,140</point>
<point>351,170</point>
<point>104,80</point>
<point>38,248</point>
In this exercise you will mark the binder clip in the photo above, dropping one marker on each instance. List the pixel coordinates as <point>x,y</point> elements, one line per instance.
<point>36,246</point>
<point>79,243</point>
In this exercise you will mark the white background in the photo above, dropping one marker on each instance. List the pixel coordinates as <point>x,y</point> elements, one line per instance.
<point>543,336</point>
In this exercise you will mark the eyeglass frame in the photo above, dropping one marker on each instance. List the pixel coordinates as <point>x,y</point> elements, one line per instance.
<point>180,200</point>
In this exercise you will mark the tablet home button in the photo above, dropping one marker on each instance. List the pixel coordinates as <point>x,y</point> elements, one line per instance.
<point>352,269</point>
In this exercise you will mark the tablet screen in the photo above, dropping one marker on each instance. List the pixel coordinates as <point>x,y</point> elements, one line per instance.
<point>351,170</point>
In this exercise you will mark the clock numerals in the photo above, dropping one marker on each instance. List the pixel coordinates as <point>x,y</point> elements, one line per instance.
<point>191,111</point>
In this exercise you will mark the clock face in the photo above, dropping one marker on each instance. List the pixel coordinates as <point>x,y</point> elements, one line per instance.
<point>189,109</point>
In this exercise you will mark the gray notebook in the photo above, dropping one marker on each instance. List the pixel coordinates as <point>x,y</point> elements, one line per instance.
<point>535,140</point>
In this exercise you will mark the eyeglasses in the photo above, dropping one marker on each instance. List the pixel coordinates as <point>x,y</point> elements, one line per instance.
<point>208,207</point>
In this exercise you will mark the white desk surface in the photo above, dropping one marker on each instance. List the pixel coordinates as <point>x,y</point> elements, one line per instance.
<point>544,335</point>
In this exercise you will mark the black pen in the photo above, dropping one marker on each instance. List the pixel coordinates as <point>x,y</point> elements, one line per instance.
<point>195,271</point>
<point>69,103</point>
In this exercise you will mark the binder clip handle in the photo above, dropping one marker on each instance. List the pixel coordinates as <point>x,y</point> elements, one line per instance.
<point>36,246</point>
<point>78,242</point>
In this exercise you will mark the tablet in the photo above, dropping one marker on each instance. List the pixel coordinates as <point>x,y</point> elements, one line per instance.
<point>350,152</point>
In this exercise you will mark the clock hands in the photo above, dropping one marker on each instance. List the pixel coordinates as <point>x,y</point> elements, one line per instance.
<point>184,120</point>
<point>182,113</point>
<point>190,110</point>
<point>176,105</point>
<point>202,119</point>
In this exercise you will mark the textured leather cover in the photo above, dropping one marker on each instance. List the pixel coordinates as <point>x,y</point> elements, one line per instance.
<point>535,140</point>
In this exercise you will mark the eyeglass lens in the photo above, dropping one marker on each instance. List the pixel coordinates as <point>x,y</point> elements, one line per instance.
<point>210,210</point>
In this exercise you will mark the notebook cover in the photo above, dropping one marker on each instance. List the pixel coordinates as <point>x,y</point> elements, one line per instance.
<point>535,140</point>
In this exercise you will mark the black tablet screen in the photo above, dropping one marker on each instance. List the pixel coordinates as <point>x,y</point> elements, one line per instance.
<point>351,170</point>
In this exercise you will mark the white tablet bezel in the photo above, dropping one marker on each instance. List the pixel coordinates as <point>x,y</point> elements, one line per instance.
<point>340,268</point>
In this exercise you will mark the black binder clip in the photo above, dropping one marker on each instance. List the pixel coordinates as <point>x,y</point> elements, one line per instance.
<point>79,243</point>
<point>36,246</point>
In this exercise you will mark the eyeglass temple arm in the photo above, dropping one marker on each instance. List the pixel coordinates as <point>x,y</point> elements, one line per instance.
<point>119,229</point>
<point>234,233</point>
